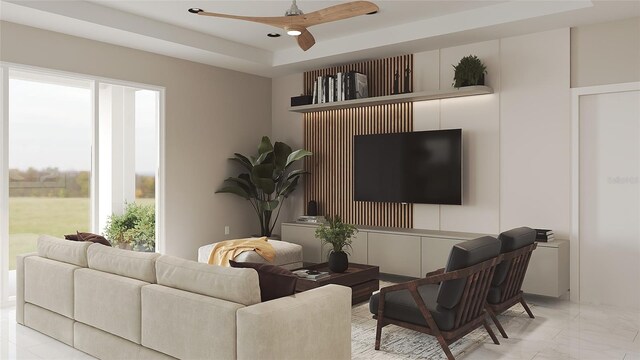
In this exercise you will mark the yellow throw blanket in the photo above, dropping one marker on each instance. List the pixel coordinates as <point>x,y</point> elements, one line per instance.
<point>227,250</point>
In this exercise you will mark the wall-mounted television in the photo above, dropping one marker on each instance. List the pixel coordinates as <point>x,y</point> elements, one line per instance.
<point>423,167</point>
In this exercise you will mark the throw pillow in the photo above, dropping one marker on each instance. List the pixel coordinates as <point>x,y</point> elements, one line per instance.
<point>85,236</point>
<point>275,282</point>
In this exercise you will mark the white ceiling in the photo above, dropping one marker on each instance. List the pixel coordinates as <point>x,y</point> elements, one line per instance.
<point>165,27</point>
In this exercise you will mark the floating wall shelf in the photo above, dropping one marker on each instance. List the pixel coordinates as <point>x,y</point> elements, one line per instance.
<point>394,99</point>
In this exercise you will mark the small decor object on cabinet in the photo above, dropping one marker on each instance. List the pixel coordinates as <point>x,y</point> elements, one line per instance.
<point>338,235</point>
<point>407,80</point>
<point>470,71</point>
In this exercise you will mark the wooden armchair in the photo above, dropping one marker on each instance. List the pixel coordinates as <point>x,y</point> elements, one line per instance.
<point>447,311</point>
<point>517,245</point>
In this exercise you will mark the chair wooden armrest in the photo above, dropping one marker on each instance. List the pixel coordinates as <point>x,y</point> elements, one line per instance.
<point>435,272</point>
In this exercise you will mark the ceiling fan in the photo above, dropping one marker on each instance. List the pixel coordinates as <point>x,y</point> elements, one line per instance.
<point>296,23</point>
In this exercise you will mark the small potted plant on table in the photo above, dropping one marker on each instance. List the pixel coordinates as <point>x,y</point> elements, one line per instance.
<point>339,236</point>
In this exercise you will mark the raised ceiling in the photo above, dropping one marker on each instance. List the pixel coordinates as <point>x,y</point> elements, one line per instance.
<point>165,27</point>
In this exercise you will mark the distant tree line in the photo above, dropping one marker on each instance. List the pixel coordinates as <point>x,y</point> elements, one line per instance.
<point>51,182</point>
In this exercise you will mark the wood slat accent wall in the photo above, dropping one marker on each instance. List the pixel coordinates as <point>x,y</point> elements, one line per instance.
<point>329,135</point>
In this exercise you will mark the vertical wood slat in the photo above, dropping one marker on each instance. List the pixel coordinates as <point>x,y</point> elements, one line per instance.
<point>329,135</point>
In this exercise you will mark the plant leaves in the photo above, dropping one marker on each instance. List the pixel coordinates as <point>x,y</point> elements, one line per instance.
<point>296,173</point>
<point>271,205</point>
<point>234,189</point>
<point>281,152</point>
<point>242,160</point>
<point>297,155</point>
<point>244,183</point>
<point>291,186</point>
<point>265,146</point>
<point>261,176</point>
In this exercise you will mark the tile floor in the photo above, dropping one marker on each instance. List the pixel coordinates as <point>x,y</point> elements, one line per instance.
<point>561,330</point>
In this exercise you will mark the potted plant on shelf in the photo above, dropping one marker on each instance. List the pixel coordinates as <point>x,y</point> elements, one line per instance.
<point>266,180</point>
<point>339,236</point>
<point>469,72</point>
<point>134,229</point>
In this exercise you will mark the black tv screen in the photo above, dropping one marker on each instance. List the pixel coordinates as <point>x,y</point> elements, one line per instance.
<point>422,167</point>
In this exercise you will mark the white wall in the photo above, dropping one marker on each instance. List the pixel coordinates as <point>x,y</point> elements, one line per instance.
<point>210,114</point>
<point>516,141</point>
<point>288,127</point>
<point>605,53</point>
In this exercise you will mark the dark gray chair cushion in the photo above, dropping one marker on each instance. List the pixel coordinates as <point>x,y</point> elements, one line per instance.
<point>399,305</point>
<point>463,255</point>
<point>511,240</point>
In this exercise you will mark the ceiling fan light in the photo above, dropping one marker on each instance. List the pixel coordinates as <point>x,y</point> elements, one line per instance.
<point>294,30</point>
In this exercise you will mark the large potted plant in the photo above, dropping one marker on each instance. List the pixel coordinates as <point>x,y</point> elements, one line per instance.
<point>339,235</point>
<point>134,229</point>
<point>266,180</point>
<point>469,72</point>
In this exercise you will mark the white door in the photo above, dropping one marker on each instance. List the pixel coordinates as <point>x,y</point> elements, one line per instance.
<point>610,199</point>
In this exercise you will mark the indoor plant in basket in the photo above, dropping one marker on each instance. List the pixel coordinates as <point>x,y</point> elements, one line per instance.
<point>469,72</point>
<point>339,235</point>
<point>266,180</point>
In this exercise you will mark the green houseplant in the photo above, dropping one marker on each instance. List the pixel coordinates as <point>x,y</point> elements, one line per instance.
<point>266,180</point>
<point>339,235</point>
<point>469,72</point>
<point>135,228</point>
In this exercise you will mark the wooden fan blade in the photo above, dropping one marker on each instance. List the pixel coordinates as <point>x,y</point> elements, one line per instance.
<point>277,21</point>
<point>306,40</point>
<point>338,12</point>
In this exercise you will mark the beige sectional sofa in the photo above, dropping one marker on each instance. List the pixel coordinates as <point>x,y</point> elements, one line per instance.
<point>119,304</point>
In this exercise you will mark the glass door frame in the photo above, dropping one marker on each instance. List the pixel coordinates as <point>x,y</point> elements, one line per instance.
<point>5,69</point>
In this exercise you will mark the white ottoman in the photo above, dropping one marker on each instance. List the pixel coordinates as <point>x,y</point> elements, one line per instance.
<point>288,255</point>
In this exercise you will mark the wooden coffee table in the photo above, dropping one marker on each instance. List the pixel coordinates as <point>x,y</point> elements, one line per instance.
<point>362,279</point>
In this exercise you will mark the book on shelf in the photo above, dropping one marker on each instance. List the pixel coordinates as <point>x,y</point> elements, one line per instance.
<point>339,87</point>
<point>544,235</point>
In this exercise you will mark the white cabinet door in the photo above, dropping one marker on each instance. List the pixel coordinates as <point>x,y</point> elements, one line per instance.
<point>305,236</point>
<point>435,253</point>
<point>395,254</point>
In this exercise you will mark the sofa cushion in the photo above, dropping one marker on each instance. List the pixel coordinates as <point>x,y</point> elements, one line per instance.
<point>49,284</point>
<point>463,255</point>
<point>231,284</point>
<point>400,305</point>
<point>109,302</point>
<point>187,325</point>
<point>286,253</point>
<point>85,236</point>
<point>132,264</point>
<point>275,282</point>
<point>71,252</point>
<point>511,240</point>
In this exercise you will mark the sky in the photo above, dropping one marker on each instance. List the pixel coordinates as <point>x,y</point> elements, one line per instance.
<point>50,126</point>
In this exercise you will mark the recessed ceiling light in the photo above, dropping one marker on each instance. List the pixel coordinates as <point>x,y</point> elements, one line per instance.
<point>294,32</point>
<point>195,10</point>
<point>274,35</point>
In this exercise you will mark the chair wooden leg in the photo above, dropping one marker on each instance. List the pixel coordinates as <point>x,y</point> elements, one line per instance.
<point>493,336</point>
<point>497,322</point>
<point>378,333</point>
<point>526,308</point>
<point>445,347</point>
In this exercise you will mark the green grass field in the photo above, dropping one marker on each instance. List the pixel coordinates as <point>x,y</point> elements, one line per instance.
<point>31,216</point>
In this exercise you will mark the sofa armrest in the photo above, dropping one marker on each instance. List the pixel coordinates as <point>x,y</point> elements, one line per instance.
<point>314,324</point>
<point>20,286</point>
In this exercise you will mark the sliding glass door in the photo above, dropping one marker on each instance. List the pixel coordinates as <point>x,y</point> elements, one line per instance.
<point>75,151</point>
<point>49,159</point>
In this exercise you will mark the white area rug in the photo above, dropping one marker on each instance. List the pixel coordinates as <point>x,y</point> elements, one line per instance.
<point>400,343</point>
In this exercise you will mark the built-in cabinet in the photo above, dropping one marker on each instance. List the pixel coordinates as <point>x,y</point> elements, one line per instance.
<point>415,252</point>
